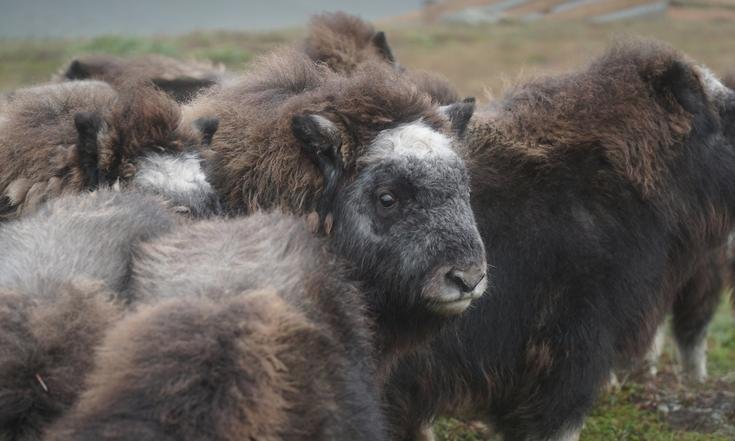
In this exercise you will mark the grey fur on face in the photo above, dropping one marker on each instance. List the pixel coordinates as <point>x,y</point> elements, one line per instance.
<point>428,235</point>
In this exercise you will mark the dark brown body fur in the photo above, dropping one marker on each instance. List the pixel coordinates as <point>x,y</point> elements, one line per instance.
<point>599,195</point>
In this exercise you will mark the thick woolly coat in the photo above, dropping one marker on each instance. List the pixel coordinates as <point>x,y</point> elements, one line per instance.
<point>598,194</point>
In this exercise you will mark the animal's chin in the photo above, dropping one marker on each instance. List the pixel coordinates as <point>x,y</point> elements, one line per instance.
<point>451,307</point>
<point>451,301</point>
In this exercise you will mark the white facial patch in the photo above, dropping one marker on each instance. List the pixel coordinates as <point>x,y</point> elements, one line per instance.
<point>180,173</point>
<point>711,84</point>
<point>415,139</point>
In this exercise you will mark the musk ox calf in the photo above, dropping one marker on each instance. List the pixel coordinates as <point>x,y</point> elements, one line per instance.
<point>343,42</point>
<point>180,79</point>
<point>370,159</point>
<point>70,137</point>
<point>600,193</point>
<point>246,329</point>
<point>62,272</point>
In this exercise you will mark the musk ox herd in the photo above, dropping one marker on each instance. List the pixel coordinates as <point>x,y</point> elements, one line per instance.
<point>332,246</point>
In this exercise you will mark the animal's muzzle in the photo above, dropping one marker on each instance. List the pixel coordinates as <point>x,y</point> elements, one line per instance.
<point>457,288</point>
<point>466,279</point>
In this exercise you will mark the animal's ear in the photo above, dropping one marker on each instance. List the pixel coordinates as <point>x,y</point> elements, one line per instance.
<point>680,81</point>
<point>183,89</point>
<point>207,126</point>
<point>459,114</point>
<point>88,125</point>
<point>77,70</point>
<point>320,141</point>
<point>381,44</point>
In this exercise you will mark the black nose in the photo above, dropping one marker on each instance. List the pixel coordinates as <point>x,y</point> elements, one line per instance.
<point>467,279</point>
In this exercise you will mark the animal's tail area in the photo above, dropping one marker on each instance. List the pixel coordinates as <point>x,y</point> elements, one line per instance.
<point>192,369</point>
<point>47,343</point>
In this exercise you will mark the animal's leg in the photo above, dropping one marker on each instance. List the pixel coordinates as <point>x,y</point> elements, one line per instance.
<point>694,306</point>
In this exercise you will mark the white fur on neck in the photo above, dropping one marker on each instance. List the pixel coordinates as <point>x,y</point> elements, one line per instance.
<point>414,139</point>
<point>180,173</point>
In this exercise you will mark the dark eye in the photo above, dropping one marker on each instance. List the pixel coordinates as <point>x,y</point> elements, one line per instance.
<point>387,199</point>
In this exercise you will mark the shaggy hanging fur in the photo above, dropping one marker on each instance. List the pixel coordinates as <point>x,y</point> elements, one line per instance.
<point>40,146</point>
<point>600,194</point>
<point>256,162</point>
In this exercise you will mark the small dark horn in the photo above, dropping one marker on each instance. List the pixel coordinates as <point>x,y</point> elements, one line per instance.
<point>208,127</point>
<point>381,44</point>
<point>88,125</point>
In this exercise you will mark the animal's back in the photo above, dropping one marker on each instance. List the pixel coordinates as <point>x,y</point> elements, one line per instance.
<point>81,236</point>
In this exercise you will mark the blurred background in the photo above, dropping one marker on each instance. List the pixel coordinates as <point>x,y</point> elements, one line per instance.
<point>482,46</point>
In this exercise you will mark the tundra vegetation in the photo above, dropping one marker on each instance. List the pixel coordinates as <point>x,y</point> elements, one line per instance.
<point>659,410</point>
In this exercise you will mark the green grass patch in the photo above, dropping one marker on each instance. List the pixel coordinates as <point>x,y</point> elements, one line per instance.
<point>616,418</point>
<point>721,342</point>
<point>118,45</point>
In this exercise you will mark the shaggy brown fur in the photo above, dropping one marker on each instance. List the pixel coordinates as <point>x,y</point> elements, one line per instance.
<point>180,79</point>
<point>268,385</point>
<point>62,273</point>
<point>343,42</point>
<point>248,330</point>
<point>600,194</point>
<point>39,143</point>
<point>40,371</point>
<point>258,163</point>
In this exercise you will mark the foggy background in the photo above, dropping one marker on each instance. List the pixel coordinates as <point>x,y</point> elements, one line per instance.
<point>89,18</point>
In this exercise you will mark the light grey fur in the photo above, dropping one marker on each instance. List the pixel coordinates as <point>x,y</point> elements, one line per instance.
<point>229,255</point>
<point>712,85</point>
<point>81,236</point>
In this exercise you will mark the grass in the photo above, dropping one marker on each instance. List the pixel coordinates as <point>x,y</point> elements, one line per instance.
<point>481,61</point>
<point>478,59</point>
<point>617,418</point>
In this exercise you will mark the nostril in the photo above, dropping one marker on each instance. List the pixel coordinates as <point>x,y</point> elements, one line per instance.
<point>466,280</point>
